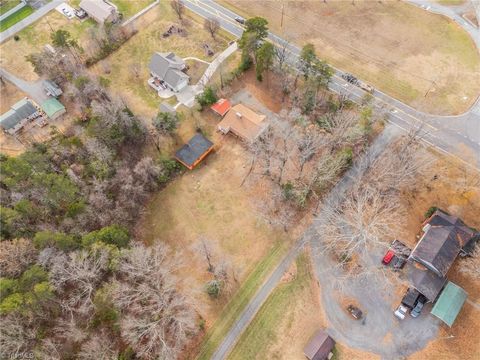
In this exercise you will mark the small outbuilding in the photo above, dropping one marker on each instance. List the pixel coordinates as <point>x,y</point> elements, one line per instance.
<point>319,347</point>
<point>449,303</point>
<point>51,88</point>
<point>243,122</point>
<point>221,107</point>
<point>53,108</point>
<point>99,10</point>
<point>193,152</point>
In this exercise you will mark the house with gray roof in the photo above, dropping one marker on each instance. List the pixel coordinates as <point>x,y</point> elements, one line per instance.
<point>99,10</point>
<point>18,116</point>
<point>51,88</point>
<point>444,238</point>
<point>167,69</point>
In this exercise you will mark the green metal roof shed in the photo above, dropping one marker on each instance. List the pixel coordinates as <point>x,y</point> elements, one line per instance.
<point>449,303</point>
<point>53,108</point>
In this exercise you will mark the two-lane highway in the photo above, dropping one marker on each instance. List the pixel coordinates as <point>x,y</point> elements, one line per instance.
<point>458,136</point>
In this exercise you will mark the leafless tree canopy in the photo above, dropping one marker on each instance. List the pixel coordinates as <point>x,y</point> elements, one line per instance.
<point>212,26</point>
<point>178,7</point>
<point>15,256</point>
<point>157,320</point>
<point>471,265</point>
<point>370,213</point>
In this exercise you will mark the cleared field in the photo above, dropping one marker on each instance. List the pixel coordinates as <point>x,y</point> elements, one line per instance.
<point>34,37</point>
<point>130,7</point>
<point>420,58</point>
<point>15,17</point>
<point>137,51</point>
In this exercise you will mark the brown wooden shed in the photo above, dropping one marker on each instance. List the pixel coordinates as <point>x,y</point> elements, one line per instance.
<point>319,347</point>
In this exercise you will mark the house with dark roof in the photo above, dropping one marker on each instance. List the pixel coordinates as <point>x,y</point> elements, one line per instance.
<point>18,116</point>
<point>193,152</point>
<point>319,346</point>
<point>168,68</point>
<point>444,238</point>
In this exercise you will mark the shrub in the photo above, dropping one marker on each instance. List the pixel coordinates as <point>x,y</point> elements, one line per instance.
<point>208,97</point>
<point>104,82</point>
<point>59,240</point>
<point>169,168</point>
<point>214,288</point>
<point>16,38</point>
<point>430,211</point>
<point>114,235</point>
<point>7,287</point>
<point>288,191</point>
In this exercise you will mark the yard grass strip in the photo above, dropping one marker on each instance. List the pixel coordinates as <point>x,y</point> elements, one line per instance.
<point>263,330</point>
<point>15,17</point>
<point>240,300</point>
<point>8,5</point>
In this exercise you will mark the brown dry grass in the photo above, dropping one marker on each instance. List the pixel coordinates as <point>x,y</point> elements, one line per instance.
<point>209,202</point>
<point>397,47</point>
<point>142,99</point>
<point>34,37</point>
<point>9,95</point>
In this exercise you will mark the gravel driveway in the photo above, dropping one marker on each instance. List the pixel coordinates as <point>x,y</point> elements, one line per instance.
<point>380,331</point>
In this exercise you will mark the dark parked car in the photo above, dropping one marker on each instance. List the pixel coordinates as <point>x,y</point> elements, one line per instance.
<point>418,308</point>
<point>240,20</point>
<point>355,312</point>
<point>398,262</point>
<point>410,298</point>
<point>349,78</point>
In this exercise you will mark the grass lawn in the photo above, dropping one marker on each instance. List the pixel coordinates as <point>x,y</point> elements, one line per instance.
<point>15,17</point>
<point>240,299</point>
<point>7,5</point>
<point>285,321</point>
<point>130,7</point>
<point>450,2</point>
<point>398,48</point>
<point>34,37</point>
<point>137,51</point>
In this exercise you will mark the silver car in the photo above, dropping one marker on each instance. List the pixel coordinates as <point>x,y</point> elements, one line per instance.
<point>401,312</point>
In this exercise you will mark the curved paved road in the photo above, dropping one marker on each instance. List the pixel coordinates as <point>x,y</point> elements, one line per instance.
<point>455,135</point>
<point>452,137</point>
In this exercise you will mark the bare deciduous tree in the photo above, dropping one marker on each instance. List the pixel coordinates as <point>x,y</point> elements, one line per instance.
<point>77,275</point>
<point>212,26</point>
<point>178,7</point>
<point>15,337</point>
<point>471,264</point>
<point>15,256</point>
<point>157,320</point>
<point>98,346</point>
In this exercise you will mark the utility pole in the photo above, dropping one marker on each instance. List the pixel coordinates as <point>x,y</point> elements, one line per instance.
<point>283,13</point>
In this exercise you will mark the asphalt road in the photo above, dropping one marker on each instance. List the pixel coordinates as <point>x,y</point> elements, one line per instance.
<point>5,35</point>
<point>455,135</point>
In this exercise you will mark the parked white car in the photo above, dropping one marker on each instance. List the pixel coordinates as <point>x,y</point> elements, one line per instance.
<point>401,312</point>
